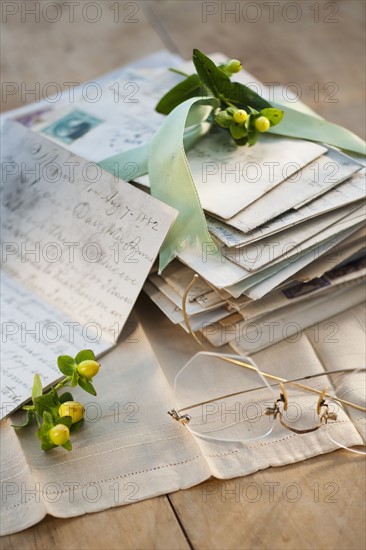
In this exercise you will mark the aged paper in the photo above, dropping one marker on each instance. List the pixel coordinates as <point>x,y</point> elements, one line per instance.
<point>122,117</point>
<point>81,240</point>
<point>294,243</point>
<point>351,191</point>
<point>33,334</point>
<point>314,180</point>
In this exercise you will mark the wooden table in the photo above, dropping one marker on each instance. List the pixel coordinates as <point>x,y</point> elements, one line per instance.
<point>316,48</point>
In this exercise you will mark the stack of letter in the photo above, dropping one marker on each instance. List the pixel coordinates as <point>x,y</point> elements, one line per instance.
<point>286,216</point>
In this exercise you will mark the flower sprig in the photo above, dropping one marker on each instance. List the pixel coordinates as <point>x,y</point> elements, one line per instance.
<point>57,416</point>
<point>242,112</point>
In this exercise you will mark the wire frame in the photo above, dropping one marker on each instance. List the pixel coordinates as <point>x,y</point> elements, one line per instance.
<point>350,387</point>
<point>209,399</point>
<point>224,397</point>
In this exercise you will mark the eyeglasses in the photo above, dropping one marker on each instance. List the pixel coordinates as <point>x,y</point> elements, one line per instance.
<point>223,397</point>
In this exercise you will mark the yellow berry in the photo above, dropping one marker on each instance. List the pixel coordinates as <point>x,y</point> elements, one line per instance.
<point>73,409</point>
<point>240,116</point>
<point>88,368</point>
<point>262,124</point>
<point>234,66</point>
<point>59,434</point>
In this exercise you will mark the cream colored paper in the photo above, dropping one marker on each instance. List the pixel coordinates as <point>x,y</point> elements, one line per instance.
<point>229,178</point>
<point>258,284</point>
<point>349,192</point>
<point>32,332</point>
<point>306,185</point>
<point>76,238</point>
<point>294,243</point>
<point>289,321</point>
<point>200,298</point>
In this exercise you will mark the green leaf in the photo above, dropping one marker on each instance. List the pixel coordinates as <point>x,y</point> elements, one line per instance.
<point>252,138</point>
<point>47,418</point>
<point>238,131</point>
<point>190,87</point>
<point>214,78</point>
<point>274,115</point>
<point>67,396</point>
<point>46,403</point>
<point>85,355</point>
<point>66,364</point>
<point>243,97</point>
<point>75,427</point>
<point>222,87</point>
<point>250,122</point>
<point>223,119</point>
<point>242,141</point>
<point>43,431</point>
<point>65,420</point>
<point>86,385</point>
<point>28,420</point>
<point>67,445</point>
<point>37,386</point>
<point>74,379</point>
<point>47,445</point>
<point>55,396</point>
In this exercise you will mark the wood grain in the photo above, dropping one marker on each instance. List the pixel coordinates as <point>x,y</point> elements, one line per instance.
<point>315,504</point>
<point>304,52</point>
<point>37,52</point>
<point>145,525</point>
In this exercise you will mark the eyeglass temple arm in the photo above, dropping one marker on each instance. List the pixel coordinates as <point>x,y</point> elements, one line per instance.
<point>277,379</point>
<point>184,308</point>
<point>249,366</point>
<point>297,384</point>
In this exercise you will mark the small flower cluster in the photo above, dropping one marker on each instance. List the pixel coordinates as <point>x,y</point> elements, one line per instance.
<point>57,416</point>
<point>245,127</point>
<point>231,67</point>
<point>240,110</point>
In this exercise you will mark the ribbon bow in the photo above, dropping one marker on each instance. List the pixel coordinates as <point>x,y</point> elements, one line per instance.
<point>164,159</point>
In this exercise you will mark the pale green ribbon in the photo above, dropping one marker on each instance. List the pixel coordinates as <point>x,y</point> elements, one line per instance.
<point>164,159</point>
<point>303,125</point>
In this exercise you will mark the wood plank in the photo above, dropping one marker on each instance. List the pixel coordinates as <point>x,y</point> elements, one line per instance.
<point>318,503</point>
<point>144,525</point>
<point>37,52</point>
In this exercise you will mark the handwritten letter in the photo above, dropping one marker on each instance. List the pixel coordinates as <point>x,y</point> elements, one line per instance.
<point>76,237</point>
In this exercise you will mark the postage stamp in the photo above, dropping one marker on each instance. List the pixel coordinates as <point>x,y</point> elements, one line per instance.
<point>72,126</point>
<point>300,289</point>
<point>34,117</point>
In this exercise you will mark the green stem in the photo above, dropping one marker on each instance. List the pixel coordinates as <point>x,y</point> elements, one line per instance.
<point>63,383</point>
<point>177,71</point>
